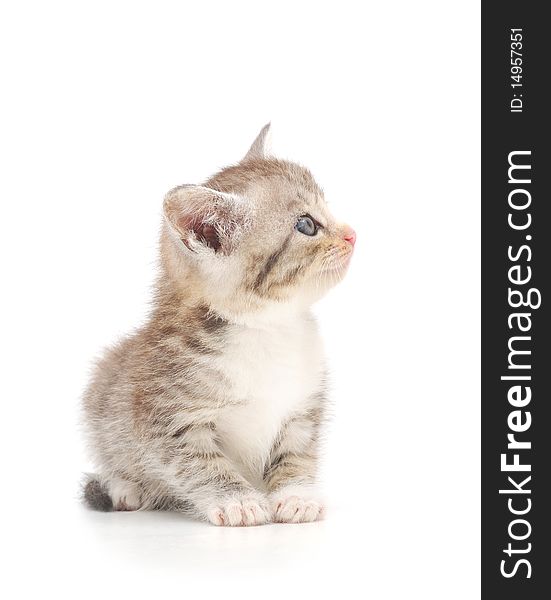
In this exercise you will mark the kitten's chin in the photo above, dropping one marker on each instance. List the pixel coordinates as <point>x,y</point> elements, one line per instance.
<point>323,281</point>
<point>334,272</point>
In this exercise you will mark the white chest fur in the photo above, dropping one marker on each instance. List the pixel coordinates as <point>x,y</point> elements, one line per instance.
<point>273,372</point>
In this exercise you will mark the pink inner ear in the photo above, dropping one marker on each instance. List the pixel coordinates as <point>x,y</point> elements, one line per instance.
<point>204,232</point>
<point>209,234</point>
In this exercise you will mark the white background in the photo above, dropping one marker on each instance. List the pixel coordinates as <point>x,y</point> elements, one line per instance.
<point>107,105</point>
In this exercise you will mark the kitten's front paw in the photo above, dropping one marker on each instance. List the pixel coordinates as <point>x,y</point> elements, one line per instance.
<point>295,504</point>
<point>240,511</point>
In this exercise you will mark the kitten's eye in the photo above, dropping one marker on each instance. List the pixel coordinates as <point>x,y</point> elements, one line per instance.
<point>306,225</point>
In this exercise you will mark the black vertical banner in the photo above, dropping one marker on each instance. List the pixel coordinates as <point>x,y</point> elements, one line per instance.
<point>516,300</point>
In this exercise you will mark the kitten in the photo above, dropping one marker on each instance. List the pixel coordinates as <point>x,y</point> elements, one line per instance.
<point>214,407</point>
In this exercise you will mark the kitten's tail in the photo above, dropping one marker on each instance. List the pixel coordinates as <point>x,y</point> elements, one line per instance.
<point>96,495</point>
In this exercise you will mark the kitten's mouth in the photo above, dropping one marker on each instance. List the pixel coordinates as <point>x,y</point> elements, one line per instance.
<point>337,263</point>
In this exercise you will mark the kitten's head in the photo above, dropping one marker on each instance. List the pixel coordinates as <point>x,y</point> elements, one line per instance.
<point>257,236</point>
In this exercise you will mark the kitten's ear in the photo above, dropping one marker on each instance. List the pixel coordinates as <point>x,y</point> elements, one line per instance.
<point>261,145</point>
<point>204,218</point>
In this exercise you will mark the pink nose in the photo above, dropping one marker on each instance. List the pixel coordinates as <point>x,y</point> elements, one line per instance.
<point>350,236</point>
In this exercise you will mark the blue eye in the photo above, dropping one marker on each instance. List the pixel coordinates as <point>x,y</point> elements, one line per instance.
<point>306,225</point>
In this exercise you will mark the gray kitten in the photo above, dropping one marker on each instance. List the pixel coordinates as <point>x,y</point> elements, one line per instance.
<point>214,406</point>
